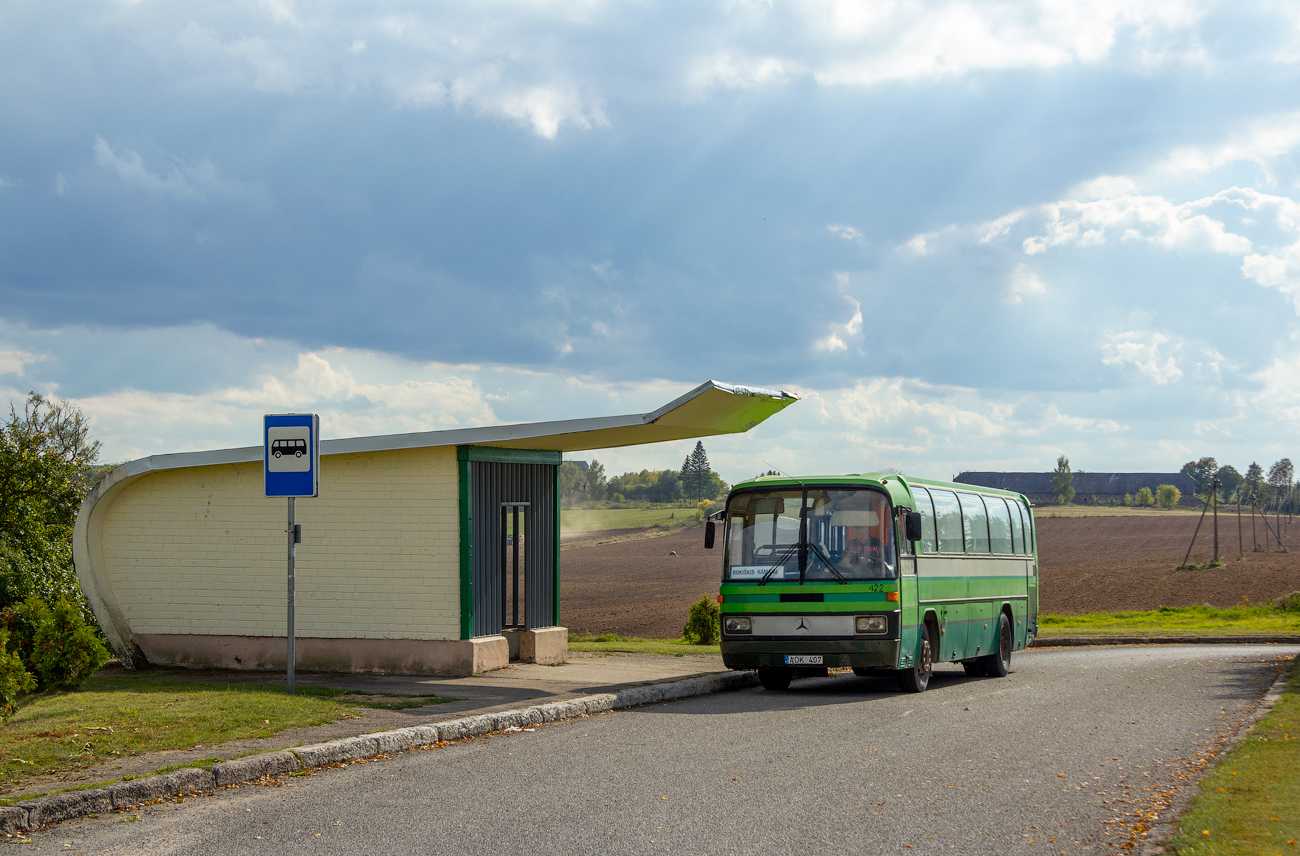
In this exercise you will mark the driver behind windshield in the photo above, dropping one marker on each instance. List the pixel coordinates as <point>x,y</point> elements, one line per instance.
<point>866,543</point>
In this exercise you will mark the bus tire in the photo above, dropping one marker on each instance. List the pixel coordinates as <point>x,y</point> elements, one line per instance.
<point>998,664</point>
<point>775,679</point>
<point>917,678</point>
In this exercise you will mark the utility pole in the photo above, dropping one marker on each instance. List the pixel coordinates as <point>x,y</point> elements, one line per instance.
<point>1241,552</point>
<point>1214,497</point>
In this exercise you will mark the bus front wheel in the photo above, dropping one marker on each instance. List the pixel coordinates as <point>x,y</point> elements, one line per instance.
<point>917,678</point>
<point>775,679</point>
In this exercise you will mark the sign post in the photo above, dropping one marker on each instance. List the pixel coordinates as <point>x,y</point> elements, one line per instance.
<point>291,464</point>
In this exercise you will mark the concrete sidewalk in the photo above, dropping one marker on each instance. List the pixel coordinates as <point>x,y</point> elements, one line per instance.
<point>519,685</point>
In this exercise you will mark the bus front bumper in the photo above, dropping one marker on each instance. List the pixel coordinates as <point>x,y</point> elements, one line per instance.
<point>835,654</point>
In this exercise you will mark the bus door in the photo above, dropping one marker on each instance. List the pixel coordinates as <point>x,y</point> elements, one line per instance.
<point>1031,601</point>
<point>909,615</point>
<point>1027,545</point>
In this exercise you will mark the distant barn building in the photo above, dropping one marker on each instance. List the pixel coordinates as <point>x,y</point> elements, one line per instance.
<point>1089,488</point>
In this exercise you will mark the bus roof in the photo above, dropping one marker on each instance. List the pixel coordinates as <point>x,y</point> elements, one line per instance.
<point>896,485</point>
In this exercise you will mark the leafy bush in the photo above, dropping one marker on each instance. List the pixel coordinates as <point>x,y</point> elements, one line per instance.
<point>14,677</point>
<point>66,649</point>
<point>1167,495</point>
<point>701,626</point>
<point>1144,498</point>
<point>1290,603</point>
<point>703,509</point>
<point>59,646</point>
<point>22,621</point>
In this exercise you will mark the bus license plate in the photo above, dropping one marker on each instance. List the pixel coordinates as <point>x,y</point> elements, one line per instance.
<point>803,659</point>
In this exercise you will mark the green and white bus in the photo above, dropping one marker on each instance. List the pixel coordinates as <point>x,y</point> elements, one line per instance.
<point>878,572</point>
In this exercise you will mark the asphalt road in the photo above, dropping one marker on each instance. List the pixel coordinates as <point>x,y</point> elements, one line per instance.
<point>1054,758</point>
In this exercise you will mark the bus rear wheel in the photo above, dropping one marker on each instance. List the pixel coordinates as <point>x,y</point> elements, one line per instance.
<point>917,678</point>
<point>775,679</point>
<point>998,664</point>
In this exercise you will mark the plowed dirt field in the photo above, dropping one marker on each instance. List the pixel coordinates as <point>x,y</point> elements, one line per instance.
<point>1088,564</point>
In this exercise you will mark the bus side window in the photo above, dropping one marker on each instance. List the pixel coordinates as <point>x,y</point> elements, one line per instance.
<point>928,542</point>
<point>1000,538</point>
<point>1017,528</point>
<point>947,515</point>
<point>977,523</point>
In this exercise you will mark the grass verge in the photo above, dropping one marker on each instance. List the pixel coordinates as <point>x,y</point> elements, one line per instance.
<point>1041,511</point>
<point>1245,619</point>
<point>601,519</point>
<point>613,643</point>
<point>113,716</point>
<point>1249,803</point>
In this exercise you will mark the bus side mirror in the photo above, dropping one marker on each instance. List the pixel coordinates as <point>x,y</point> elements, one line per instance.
<point>913,526</point>
<point>710,532</point>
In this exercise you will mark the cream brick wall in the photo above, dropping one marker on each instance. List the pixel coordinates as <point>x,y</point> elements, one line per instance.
<point>201,550</point>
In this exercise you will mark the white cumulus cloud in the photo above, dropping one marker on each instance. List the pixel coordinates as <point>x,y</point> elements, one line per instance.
<point>851,43</point>
<point>1025,282</point>
<point>1147,351</point>
<point>13,362</point>
<point>848,233</point>
<point>195,181</point>
<point>1134,217</point>
<point>840,333</point>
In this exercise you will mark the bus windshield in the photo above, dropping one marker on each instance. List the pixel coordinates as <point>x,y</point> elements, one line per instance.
<point>847,536</point>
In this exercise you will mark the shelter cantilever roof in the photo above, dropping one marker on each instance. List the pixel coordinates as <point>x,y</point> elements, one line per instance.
<point>709,409</point>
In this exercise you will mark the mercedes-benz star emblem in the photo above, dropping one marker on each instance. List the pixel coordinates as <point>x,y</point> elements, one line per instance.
<point>803,625</point>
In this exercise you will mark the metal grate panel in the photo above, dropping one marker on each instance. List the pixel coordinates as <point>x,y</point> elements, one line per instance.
<point>492,485</point>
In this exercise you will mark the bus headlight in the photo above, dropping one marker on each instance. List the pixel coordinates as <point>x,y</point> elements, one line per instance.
<point>736,624</point>
<point>871,624</point>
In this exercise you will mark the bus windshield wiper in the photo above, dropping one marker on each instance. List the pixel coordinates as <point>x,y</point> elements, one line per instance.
<point>779,562</point>
<point>817,551</point>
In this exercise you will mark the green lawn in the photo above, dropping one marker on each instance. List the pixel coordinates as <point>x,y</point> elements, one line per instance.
<point>612,642</point>
<point>1249,803</point>
<point>1244,620</point>
<point>1049,510</point>
<point>121,715</point>
<point>599,519</point>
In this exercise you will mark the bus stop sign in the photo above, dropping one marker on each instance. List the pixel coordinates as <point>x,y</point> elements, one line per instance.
<point>291,454</point>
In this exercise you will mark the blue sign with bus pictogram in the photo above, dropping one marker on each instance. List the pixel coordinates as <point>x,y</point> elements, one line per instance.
<point>291,454</point>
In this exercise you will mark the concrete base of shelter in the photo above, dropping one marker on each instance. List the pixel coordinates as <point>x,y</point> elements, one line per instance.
<point>548,646</point>
<point>512,635</point>
<point>447,657</point>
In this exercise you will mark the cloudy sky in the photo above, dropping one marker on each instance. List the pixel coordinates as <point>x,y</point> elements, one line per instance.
<point>972,235</point>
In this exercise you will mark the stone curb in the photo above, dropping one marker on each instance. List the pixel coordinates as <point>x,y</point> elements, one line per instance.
<point>56,808</point>
<point>1083,641</point>
<point>1163,827</point>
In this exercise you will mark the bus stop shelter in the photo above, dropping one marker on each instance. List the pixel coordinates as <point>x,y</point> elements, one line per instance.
<point>427,553</point>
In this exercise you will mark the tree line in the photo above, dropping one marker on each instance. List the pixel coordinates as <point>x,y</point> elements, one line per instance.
<point>1275,489</point>
<point>694,481</point>
<point>1164,496</point>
